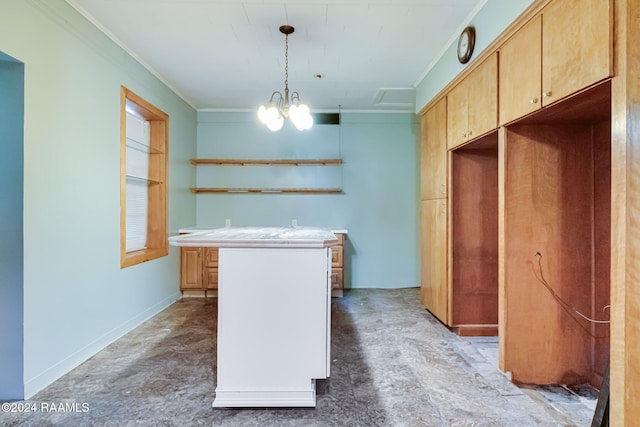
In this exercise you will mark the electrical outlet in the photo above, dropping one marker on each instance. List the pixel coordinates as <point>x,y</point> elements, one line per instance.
<point>227,223</point>
<point>294,222</point>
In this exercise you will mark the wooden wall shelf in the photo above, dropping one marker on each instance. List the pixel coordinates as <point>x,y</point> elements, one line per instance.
<point>273,162</point>
<point>198,190</point>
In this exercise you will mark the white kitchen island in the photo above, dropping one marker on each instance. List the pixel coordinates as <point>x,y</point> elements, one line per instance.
<point>274,313</point>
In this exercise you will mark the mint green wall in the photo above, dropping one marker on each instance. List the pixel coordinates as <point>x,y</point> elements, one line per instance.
<point>494,17</point>
<point>76,298</point>
<point>379,177</point>
<point>11,227</point>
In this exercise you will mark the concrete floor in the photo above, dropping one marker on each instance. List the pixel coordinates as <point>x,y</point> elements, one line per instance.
<point>393,364</point>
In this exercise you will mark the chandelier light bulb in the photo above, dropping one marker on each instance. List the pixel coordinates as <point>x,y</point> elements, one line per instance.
<point>262,114</point>
<point>304,110</point>
<point>303,119</point>
<point>299,123</point>
<point>274,119</point>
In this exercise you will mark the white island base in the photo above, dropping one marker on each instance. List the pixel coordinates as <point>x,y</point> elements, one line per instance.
<point>274,299</point>
<point>273,326</point>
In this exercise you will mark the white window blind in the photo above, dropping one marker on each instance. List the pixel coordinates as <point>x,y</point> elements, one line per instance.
<point>137,189</point>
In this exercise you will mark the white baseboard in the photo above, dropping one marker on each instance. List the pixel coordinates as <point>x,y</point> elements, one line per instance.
<point>266,398</point>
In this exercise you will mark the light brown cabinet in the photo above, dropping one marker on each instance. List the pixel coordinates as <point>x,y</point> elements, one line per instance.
<point>433,241</point>
<point>520,68</point>
<point>190,269</point>
<point>337,266</point>
<point>433,152</point>
<point>559,52</point>
<point>554,165</point>
<point>210,267</point>
<point>198,269</point>
<point>472,106</point>
<point>433,210</point>
<point>576,46</point>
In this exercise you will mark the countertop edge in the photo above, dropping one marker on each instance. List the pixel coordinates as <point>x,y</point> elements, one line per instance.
<point>194,229</point>
<point>254,237</point>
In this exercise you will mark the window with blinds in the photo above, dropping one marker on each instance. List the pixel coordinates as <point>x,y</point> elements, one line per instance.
<point>143,210</point>
<point>138,144</point>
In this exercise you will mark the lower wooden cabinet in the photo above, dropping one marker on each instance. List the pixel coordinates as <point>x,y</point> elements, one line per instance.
<point>190,269</point>
<point>199,269</point>
<point>337,266</point>
<point>434,285</point>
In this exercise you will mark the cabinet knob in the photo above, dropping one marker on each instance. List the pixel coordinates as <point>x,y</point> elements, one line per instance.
<point>546,94</point>
<point>533,101</point>
<point>463,135</point>
<point>470,133</point>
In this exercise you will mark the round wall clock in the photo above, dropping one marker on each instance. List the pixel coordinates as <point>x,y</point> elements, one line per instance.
<point>466,42</point>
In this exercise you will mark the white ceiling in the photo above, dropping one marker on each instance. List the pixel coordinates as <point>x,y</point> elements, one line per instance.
<point>229,54</point>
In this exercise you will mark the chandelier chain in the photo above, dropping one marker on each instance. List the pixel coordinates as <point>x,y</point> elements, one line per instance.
<point>286,61</point>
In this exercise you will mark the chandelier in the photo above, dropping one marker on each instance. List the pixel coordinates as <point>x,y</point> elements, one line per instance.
<point>280,105</point>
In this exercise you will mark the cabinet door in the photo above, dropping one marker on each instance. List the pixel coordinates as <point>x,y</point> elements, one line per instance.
<point>457,115</point>
<point>190,268</point>
<point>433,152</point>
<point>520,68</point>
<point>434,283</point>
<point>577,46</point>
<point>483,98</point>
<point>210,257</point>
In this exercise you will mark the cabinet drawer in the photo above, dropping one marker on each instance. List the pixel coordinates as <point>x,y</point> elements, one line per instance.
<point>336,256</point>
<point>211,257</point>
<point>211,278</point>
<point>337,278</point>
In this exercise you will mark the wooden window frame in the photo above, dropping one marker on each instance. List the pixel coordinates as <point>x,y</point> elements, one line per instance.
<point>157,245</point>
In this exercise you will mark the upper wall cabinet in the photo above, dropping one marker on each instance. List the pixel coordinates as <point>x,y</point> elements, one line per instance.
<point>520,68</point>
<point>472,106</point>
<point>433,152</point>
<point>559,52</point>
<point>576,46</point>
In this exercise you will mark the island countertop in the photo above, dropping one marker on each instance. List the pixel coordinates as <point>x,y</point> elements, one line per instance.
<point>257,237</point>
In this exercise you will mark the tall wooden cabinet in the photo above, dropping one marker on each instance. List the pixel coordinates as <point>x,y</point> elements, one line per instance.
<point>518,236</point>
<point>433,210</point>
<point>459,229</point>
<point>568,190</point>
